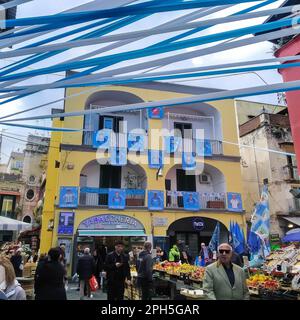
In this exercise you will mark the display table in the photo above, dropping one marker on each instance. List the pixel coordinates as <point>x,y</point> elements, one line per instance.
<point>28,285</point>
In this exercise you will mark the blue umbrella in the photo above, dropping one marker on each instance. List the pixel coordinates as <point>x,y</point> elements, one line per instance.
<point>291,237</point>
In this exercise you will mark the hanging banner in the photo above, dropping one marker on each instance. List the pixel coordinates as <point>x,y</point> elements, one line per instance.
<point>156,113</point>
<point>188,161</point>
<point>101,139</point>
<point>68,197</point>
<point>234,201</point>
<point>191,201</point>
<point>66,223</point>
<point>155,159</point>
<point>261,221</point>
<point>136,142</point>
<point>155,200</point>
<point>203,148</point>
<point>118,156</point>
<point>116,198</point>
<point>172,144</point>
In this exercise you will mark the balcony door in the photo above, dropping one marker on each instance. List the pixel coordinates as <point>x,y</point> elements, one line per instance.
<point>110,177</point>
<point>185,182</point>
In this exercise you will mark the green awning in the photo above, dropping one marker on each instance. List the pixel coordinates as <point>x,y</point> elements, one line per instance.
<point>120,233</point>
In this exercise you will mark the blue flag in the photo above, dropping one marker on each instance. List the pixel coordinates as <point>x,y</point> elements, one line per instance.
<point>215,239</point>
<point>261,222</point>
<point>238,240</point>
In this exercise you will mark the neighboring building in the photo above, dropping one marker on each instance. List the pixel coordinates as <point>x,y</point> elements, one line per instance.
<point>11,198</point>
<point>9,13</point>
<point>33,170</point>
<point>15,163</point>
<point>3,168</point>
<point>290,46</point>
<point>72,168</point>
<point>247,110</point>
<point>270,132</point>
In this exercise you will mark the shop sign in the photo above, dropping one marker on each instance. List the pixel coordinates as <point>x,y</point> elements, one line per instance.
<point>198,224</point>
<point>191,201</point>
<point>160,222</point>
<point>234,201</point>
<point>110,222</point>
<point>117,199</point>
<point>155,200</point>
<point>68,197</point>
<point>66,223</point>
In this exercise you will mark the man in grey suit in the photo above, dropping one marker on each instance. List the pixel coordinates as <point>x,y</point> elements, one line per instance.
<point>224,280</point>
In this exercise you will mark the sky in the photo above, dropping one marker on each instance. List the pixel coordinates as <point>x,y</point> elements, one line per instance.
<point>13,139</point>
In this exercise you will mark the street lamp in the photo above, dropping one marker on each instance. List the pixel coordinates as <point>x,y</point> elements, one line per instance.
<point>290,226</point>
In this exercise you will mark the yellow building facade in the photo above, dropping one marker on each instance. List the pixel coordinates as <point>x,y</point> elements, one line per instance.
<point>73,164</point>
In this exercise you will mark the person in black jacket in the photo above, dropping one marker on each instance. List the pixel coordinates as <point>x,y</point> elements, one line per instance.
<point>144,269</point>
<point>117,270</point>
<point>236,259</point>
<point>85,269</point>
<point>49,278</point>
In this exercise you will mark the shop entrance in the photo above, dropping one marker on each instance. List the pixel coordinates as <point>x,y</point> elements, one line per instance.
<point>100,233</point>
<point>186,230</point>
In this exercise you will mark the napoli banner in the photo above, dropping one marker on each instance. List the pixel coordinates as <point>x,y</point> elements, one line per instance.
<point>101,139</point>
<point>203,148</point>
<point>116,198</point>
<point>234,201</point>
<point>136,142</point>
<point>261,221</point>
<point>172,144</point>
<point>68,197</point>
<point>118,156</point>
<point>155,200</point>
<point>66,223</point>
<point>191,201</point>
<point>156,113</point>
<point>188,161</point>
<point>155,158</point>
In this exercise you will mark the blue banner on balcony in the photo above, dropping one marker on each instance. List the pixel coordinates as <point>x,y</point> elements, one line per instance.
<point>188,161</point>
<point>155,200</point>
<point>234,202</point>
<point>66,223</point>
<point>116,199</point>
<point>203,148</point>
<point>101,139</point>
<point>191,201</point>
<point>172,144</point>
<point>135,192</point>
<point>68,197</point>
<point>155,159</point>
<point>94,190</point>
<point>118,156</point>
<point>136,142</point>
<point>156,113</point>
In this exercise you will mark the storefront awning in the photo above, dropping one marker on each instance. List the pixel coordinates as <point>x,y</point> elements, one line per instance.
<point>294,220</point>
<point>7,224</point>
<point>107,233</point>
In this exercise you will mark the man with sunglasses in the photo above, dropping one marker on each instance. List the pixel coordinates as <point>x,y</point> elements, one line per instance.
<point>223,279</point>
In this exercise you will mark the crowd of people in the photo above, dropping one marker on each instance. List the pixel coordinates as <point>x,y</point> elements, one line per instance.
<point>51,280</point>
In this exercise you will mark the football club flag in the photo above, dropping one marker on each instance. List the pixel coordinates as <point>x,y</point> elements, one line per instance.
<point>215,239</point>
<point>261,222</point>
<point>238,240</point>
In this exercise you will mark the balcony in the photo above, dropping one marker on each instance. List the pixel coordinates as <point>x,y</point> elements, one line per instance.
<point>94,197</point>
<point>174,199</point>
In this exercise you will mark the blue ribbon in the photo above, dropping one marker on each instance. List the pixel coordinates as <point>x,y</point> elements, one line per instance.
<point>137,9</point>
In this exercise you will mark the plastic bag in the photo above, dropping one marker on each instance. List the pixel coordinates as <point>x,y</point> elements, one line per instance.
<point>93,283</point>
